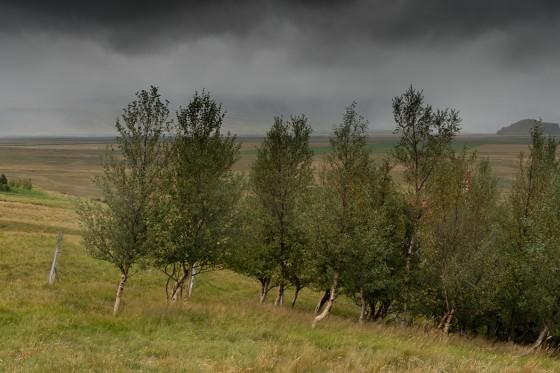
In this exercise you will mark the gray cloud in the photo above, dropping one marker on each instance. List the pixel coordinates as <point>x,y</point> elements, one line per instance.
<point>131,27</point>
<point>71,66</point>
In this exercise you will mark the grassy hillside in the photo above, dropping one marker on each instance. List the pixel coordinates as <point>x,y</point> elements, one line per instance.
<point>70,326</point>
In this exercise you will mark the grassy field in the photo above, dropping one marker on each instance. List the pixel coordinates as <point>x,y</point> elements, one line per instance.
<point>64,166</point>
<point>68,165</point>
<point>69,327</point>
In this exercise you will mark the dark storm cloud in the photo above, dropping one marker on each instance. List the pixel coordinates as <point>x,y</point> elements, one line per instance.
<point>143,27</point>
<point>70,66</point>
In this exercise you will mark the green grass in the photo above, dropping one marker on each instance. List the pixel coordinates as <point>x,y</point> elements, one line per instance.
<point>36,196</point>
<point>27,193</point>
<point>381,147</point>
<point>70,327</point>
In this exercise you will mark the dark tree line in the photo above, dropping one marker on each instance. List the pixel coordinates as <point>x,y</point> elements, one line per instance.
<point>444,246</point>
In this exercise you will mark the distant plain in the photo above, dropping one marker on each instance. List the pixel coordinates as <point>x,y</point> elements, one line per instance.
<point>68,165</point>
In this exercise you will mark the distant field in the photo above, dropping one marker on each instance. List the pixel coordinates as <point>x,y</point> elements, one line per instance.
<point>68,165</point>
<point>383,148</point>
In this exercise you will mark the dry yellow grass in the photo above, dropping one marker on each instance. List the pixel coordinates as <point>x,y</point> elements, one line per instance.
<point>65,168</point>
<point>69,166</point>
<point>504,159</point>
<point>69,327</point>
<point>37,217</point>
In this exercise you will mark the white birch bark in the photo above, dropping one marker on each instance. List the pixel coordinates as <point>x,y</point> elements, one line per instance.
<point>188,280</point>
<point>538,343</point>
<point>280,297</point>
<point>363,308</point>
<point>124,276</point>
<point>448,321</point>
<point>330,302</point>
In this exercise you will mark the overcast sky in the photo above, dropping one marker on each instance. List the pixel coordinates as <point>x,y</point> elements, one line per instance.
<point>69,67</point>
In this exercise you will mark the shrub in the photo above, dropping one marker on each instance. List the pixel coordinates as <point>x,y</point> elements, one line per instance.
<point>21,183</point>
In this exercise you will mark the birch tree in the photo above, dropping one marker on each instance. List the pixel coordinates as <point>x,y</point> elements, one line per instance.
<point>374,278</point>
<point>120,230</point>
<point>339,228</point>
<point>454,234</point>
<point>255,253</point>
<point>426,136</point>
<point>527,242</point>
<point>203,192</point>
<point>546,260</point>
<point>280,178</point>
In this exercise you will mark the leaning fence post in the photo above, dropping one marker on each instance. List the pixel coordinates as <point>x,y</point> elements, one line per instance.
<point>56,251</point>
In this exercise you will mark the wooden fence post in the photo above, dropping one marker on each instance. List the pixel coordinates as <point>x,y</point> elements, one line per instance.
<point>56,251</point>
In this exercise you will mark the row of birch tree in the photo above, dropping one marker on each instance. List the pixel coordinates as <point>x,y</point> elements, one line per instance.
<point>442,247</point>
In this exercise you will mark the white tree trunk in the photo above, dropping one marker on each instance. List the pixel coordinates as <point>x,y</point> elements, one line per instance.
<point>448,321</point>
<point>264,292</point>
<point>265,287</point>
<point>322,302</point>
<point>178,286</point>
<point>538,343</point>
<point>330,302</point>
<point>188,281</point>
<point>124,276</point>
<point>280,297</point>
<point>194,272</point>
<point>363,308</point>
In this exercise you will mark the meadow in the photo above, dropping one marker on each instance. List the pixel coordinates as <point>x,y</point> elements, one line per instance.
<point>70,327</point>
<point>67,165</point>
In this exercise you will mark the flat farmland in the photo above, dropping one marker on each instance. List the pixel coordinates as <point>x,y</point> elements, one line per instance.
<point>63,165</point>
<point>68,165</point>
<point>504,159</point>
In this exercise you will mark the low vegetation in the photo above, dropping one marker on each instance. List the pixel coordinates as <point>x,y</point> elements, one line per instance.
<point>6,185</point>
<point>69,326</point>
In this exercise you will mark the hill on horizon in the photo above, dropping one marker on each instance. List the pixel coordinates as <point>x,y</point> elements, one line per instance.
<point>524,126</point>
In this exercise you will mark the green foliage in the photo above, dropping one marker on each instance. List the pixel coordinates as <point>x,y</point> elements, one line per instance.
<point>3,179</point>
<point>354,226</point>
<point>426,136</point>
<point>339,206</point>
<point>119,230</point>
<point>280,179</point>
<point>386,145</point>
<point>527,242</point>
<point>21,183</point>
<point>203,191</point>
<point>255,253</point>
<point>456,265</point>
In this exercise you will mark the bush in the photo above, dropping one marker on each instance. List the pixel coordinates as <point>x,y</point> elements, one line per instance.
<point>21,183</point>
<point>5,188</point>
<point>3,179</point>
